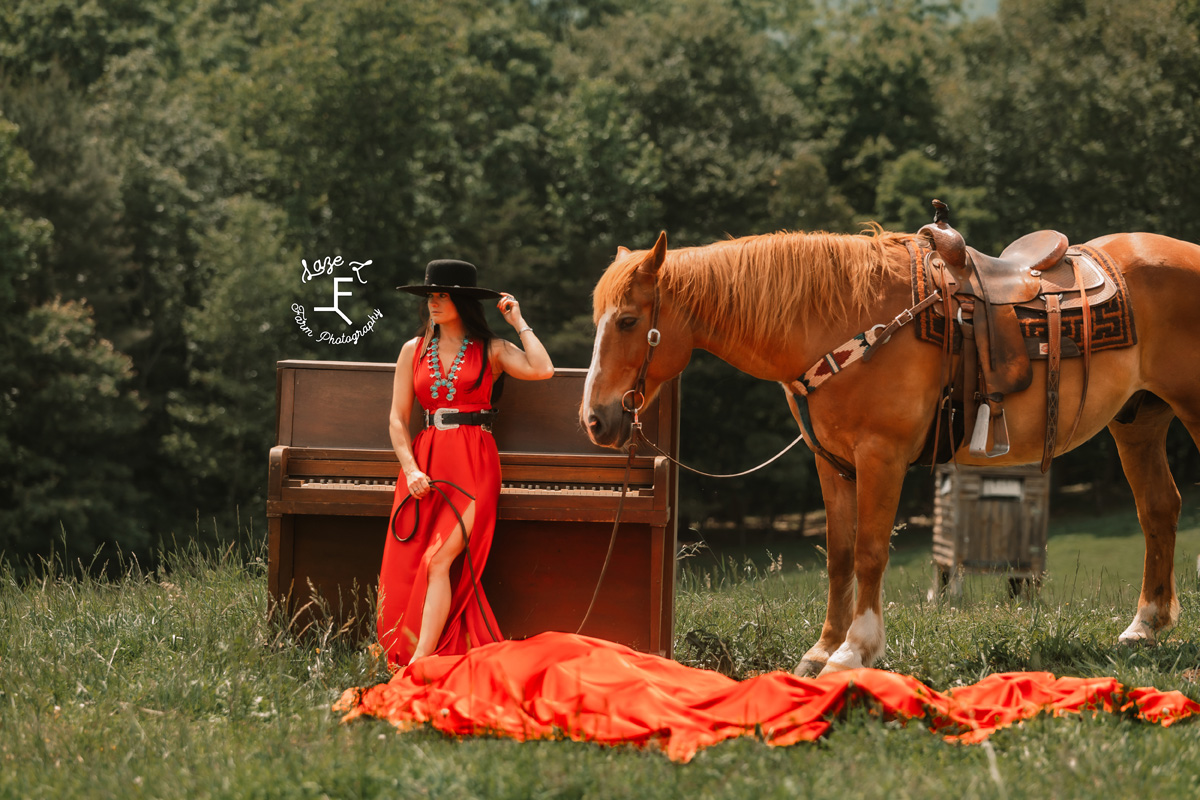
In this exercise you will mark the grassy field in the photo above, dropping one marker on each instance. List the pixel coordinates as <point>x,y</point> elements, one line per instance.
<point>173,684</point>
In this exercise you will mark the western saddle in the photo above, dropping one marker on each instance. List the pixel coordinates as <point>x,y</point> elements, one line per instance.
<point>1038,273</point>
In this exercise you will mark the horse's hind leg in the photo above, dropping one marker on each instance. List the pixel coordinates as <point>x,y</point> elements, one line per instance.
<point>1141,443</point>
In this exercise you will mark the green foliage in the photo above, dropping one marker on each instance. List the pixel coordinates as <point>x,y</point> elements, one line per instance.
<point>876,97</point>
<point>65,412</point>
<point>343,105</point>
<point>906,186</point>
<point>764,427</point>
<point>217,35</point>
<point>172,168</point>
<point>70,419</point>
<point>1080,116</point>
<point>698,87</point>
<point>80,36</point>
<point>76,187</point>
<point>22,238</point>
<point>223,420</point>
<point>805,199</point>
<point>170,154</point>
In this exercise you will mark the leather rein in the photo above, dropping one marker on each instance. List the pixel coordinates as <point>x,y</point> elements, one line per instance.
<point>637,397</point>
<point>433,483</point>
<point>634,400</point>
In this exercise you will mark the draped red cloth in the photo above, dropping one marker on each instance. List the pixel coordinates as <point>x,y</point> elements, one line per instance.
<point>559,685</point>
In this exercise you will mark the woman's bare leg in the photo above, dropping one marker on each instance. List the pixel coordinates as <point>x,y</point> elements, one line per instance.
<point>439,592</point>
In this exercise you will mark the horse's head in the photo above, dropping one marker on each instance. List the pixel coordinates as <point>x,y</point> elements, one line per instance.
<point>641,341</point>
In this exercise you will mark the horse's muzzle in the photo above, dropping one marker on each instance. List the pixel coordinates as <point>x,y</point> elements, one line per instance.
<point>607,426</point>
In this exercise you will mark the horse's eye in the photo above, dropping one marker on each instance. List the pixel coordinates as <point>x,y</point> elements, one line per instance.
<point>627,323</point>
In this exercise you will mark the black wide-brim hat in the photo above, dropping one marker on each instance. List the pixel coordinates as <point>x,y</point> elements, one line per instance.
<point>451,276</point>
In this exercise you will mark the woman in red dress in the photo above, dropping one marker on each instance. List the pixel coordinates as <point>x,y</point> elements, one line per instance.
<point>444,511</point>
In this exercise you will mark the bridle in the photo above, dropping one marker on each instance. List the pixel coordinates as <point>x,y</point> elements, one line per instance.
<point>634,400</point>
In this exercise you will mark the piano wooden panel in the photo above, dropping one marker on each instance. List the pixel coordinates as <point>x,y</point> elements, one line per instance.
<point>332,478</point>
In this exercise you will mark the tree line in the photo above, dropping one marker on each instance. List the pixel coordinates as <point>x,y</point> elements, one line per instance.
<point>173,173</point>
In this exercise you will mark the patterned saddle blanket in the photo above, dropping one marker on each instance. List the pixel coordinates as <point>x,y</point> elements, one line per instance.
<point>1112,319</point>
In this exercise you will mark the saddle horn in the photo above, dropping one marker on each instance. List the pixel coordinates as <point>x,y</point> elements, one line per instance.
<point>947,242</point>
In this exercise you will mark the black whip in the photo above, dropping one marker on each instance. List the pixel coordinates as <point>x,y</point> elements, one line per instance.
<point>433,484</point>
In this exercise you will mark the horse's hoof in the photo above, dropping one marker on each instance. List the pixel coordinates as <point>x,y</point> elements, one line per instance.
<point>807,668</point>
<point>1138,633</point>
<point>845,658</point>
<point>1137,639</point>
<point>833,668</point>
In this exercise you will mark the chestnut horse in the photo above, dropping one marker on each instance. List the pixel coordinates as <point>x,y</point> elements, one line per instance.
<point>773,305</point>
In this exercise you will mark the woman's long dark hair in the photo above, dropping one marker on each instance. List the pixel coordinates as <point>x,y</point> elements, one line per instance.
<point>470,310</point>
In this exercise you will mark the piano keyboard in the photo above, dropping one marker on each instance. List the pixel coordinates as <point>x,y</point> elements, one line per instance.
<point>523,488</point>
<point>580,490</point>
<point>344,483</point>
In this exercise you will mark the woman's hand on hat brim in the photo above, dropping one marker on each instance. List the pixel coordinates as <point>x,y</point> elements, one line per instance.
<point>510,309</point>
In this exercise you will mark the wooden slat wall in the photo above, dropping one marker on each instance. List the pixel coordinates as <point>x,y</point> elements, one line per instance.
<point>990,534</point>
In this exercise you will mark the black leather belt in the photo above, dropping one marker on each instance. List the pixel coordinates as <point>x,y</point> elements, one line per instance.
<point>446,419</point>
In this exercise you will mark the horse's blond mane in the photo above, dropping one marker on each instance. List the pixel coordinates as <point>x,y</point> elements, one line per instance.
<point>752,286</point>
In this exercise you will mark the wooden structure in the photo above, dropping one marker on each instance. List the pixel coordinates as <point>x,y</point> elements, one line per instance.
<point>990,520</point>
<point>333,472</point>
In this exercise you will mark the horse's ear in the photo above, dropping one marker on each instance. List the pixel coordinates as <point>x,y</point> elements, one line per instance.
<point>657,255</point>
<point>622,251</point>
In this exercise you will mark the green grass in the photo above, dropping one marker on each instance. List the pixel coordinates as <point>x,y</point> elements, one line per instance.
<point>174,683</point>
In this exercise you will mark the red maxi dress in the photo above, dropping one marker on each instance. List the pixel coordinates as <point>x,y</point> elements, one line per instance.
<point>467,457</point>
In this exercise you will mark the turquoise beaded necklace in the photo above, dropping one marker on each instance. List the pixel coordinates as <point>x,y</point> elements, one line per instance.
<point>435,368</point>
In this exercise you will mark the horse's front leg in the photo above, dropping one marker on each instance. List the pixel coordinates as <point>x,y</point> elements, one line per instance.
<point>878,496</point>
<point>840,501</point>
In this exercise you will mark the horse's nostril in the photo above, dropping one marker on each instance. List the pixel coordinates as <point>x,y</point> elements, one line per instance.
<point>593,422</point>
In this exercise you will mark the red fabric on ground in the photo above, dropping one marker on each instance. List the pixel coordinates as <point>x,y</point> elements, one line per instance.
<point>558,685</point>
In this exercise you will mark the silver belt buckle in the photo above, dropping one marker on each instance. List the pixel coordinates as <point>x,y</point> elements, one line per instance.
<point>437,419</point>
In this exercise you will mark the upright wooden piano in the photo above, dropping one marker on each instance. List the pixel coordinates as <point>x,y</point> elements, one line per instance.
<point>333,473</point>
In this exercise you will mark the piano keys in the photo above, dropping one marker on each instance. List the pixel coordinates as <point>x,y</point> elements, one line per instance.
<point>333,473</point>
